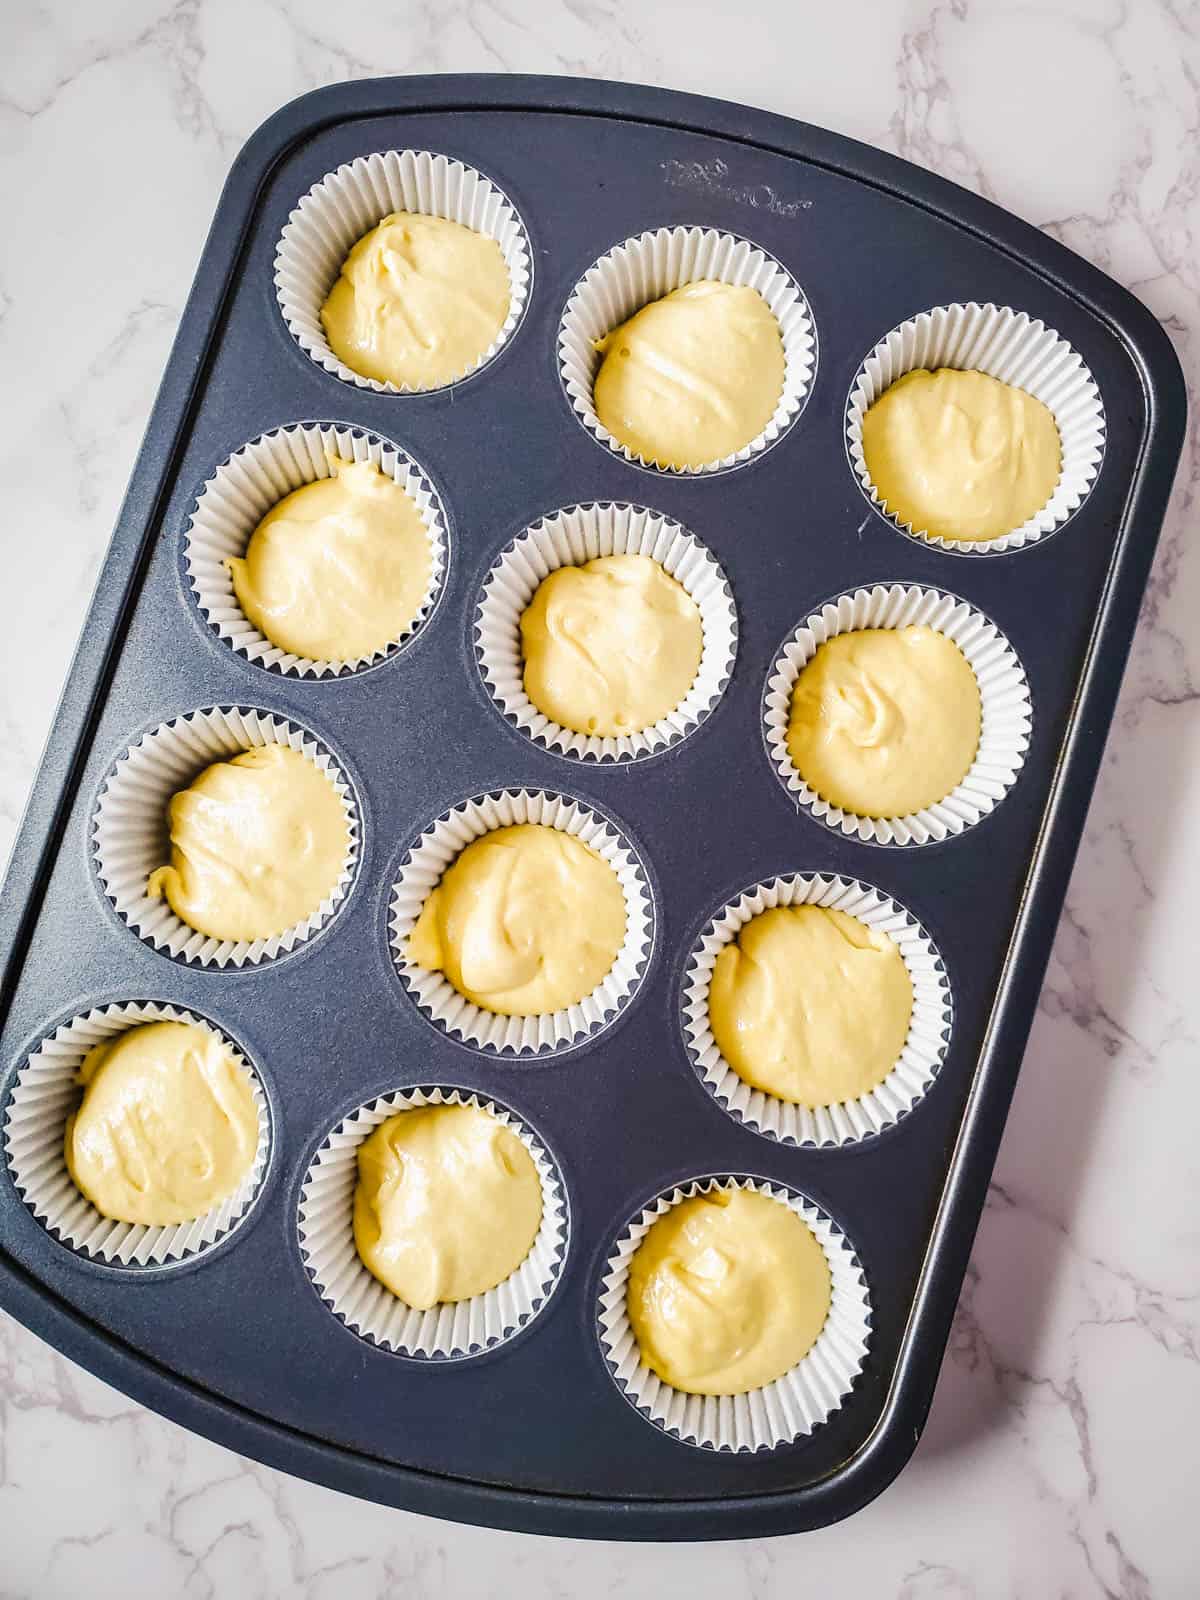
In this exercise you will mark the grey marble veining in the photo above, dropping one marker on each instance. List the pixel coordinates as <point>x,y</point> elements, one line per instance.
<point>1061,1457</point>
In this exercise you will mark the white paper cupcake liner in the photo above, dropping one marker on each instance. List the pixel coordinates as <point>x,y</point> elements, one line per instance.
<point>572,537</point>
<point>1008,345</point>
<point>45,1093</point>
<point>434,851</point>
<point>650,266</point>
<point>1003,688</point>
<point>444,1332</point>
<point>918,1062</point>
<point>130,834</point>
<point>244,488</point>
<point>764,1418</point>
<point>335,214</point>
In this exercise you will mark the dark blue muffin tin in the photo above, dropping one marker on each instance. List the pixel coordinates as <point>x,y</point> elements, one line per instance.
<point>536,1434</point>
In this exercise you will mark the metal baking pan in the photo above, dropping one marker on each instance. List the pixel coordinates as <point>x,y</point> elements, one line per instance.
<point>536,1435</point>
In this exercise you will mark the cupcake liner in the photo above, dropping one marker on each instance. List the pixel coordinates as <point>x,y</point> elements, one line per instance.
<point>43,1095</point>
<point>764,1418</point>
<point>444,1332</point>
<point>1003,688</point>
<point>1008,345</point>
<point>335,214</point>
<point>571,537</point>
<point>244,488</point>
<point>130,836</point>
<point>918,1062</point>
<point>650,266</point>
<point>434,851</point>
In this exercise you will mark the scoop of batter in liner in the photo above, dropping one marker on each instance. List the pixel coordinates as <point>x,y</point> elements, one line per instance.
<point>257,844</point>
<point>526,920</point>
<point>727,1292</point>
<point>419,301</point>
<point>337,569</point>
<point>167,1127</point>
<point>961,455</point>
<point>693,377</point>
<point>885,721</point>
<point>810,1005</point>
<point>447,1206</point>
<point>612,646</point>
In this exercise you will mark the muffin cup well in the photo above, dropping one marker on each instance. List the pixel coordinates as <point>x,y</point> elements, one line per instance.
<point>335,214</point>
<point>915,1067</point>
<point>366,1306</point>
<point>572,537</point>
<point>650,266</point>
<point>442,843</point>
<point>1008,345</point>
<point>764,1418</point>
<point>44,1094</point>
<point>244,488</point>
<point>130,833</point>
<point>1003,688</point>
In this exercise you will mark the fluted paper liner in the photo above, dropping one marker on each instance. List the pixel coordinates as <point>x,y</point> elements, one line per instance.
<point>650,266</point>
<point>915,1067</point>
<point>767,1417</point>
<point>257,477</point>
<point>572,537</point>
<point>336,213</point>
<point>442,843</point>
<point>45,1093</point>
<point>1003,688</point>
<point>1008,345</point>
<point>130,833</point>
<point>366,1306</point>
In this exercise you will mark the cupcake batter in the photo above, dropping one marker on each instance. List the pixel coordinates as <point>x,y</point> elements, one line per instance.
<point>339,568</point>
<point>727,1292</point>
<point>961,455</point>
<point>885,721</point>
<point>257,843</point>
<point>167,1127</point>
<point>419,302</point>
<point>810,1005</point>
<point>448,1204</point>
<point>526,921</point>
<point>612,646</point>
<point>693,377</point>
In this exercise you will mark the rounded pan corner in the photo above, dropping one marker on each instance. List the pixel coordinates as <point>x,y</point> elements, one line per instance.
<point>866,1474</point>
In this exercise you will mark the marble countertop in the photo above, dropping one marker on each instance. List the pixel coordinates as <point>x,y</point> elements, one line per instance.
<point>1062,1453</point>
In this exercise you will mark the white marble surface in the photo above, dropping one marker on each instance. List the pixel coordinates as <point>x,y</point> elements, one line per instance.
<point>1061,1458</point>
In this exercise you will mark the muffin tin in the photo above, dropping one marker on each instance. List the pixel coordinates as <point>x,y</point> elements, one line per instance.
<point>541,1428</point>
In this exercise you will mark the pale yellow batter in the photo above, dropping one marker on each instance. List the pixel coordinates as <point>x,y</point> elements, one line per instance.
<point>338,569</point>
<point>693,377</point>
<point>525,921</point>
<point>727,1292</point>
<point>961,455</point>
<point>885,721</point>
<point>167,1127</point>
<point>419,302</point>
<point>448,1204</point>
<point>810,1005</point>
<point>612,646</point>
<point>257,843</point>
